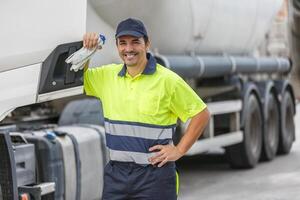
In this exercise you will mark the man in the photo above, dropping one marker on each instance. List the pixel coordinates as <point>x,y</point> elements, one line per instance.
<point>142,101</point>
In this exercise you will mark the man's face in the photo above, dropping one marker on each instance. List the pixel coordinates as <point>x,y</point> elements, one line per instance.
<point>132,50</point>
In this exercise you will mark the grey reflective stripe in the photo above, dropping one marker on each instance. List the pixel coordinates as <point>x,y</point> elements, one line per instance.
<point>127,156</point>
<point>138,131</point>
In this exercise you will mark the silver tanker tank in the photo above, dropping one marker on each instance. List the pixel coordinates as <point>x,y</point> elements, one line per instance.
<point>197,26</point>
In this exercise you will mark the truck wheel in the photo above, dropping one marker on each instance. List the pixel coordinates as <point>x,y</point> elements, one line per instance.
<point>287,131</point>
<point>271,127</point>
<point>247,153</point>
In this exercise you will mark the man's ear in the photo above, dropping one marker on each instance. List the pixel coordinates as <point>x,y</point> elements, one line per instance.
<point>148,45</point>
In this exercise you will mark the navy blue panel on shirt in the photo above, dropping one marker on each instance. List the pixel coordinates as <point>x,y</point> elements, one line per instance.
<point>134,144</point>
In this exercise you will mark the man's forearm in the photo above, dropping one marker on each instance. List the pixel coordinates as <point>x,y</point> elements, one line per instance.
<point>165,153</point>
<point>194,131</point>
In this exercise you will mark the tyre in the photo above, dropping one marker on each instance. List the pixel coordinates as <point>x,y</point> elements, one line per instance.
<point>247,153</point>
<point>287,130</point>
<point>271,127</point>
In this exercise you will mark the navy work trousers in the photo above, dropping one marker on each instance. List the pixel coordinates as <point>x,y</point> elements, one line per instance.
<point>130,181</point>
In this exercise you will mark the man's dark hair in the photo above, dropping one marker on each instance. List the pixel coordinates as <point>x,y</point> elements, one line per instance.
<point>146,39</point>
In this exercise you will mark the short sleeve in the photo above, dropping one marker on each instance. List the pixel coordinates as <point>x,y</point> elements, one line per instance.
<point>185,103</point>
<point>93,79</point>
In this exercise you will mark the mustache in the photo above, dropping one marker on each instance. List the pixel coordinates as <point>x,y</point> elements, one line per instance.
<point>130,52</point>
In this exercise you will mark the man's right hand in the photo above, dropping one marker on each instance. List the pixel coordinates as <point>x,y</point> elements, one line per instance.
<point>90,40</point>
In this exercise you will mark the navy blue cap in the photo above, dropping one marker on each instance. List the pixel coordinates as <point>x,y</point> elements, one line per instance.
<point>133,27</point>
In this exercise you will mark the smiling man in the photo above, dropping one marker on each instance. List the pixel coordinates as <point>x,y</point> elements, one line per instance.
<point>142,102</point>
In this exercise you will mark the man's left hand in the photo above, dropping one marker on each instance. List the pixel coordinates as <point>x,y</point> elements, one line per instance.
<point>164,154</point>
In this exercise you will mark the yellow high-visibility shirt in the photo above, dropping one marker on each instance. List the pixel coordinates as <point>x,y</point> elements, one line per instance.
<point>140,111</point>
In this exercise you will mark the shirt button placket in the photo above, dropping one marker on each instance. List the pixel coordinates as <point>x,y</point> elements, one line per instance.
<point>131,89</point>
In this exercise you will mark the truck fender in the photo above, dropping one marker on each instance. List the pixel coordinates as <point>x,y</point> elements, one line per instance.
<point>248,89</point>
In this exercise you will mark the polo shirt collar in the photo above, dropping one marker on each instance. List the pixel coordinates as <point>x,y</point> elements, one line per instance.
<point>149,69</point>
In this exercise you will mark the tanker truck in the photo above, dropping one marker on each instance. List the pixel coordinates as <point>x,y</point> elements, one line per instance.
<point>241,57</point>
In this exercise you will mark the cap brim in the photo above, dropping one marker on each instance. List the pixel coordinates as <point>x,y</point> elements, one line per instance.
<point>131,33</point>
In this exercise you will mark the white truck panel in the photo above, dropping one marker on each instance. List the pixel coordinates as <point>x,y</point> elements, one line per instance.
<point>18,87</point>
<point>31,29</point>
